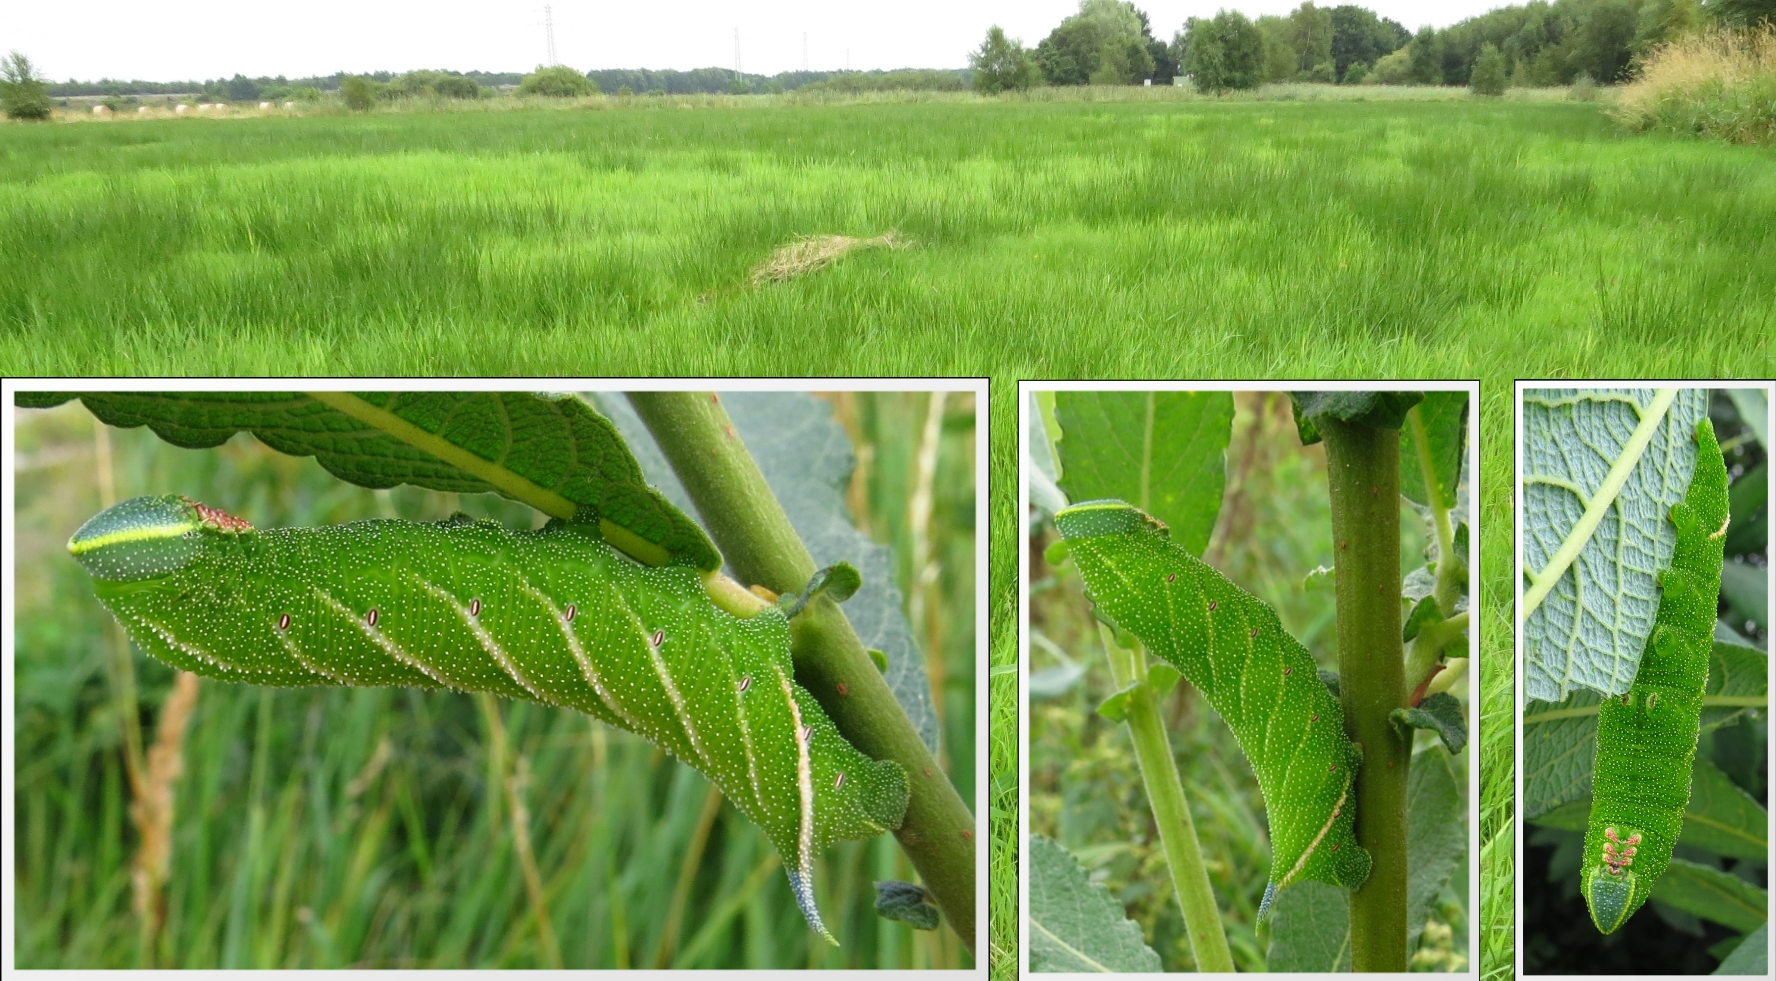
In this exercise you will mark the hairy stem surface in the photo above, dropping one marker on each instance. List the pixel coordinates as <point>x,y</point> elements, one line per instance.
<point>1363,480</point>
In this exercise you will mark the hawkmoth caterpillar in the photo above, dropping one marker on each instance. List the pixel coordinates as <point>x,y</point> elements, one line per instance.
<point>1646,738</point>
<point>554,616</point>
<point>1257,677</point>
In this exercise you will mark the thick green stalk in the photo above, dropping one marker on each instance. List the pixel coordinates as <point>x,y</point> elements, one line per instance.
<point>1363,478</point>
<point>749,526</point>
<point>1171,812</point>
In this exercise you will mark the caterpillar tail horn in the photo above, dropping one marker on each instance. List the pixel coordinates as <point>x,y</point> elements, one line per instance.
<point>801,882</point>
<point>1270,891</point>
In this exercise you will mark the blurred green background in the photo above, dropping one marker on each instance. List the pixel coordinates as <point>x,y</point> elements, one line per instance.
<point>1085,788</point>
<point>397,828</point>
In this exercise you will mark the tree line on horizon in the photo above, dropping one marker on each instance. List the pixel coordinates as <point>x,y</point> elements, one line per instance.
<point>1536,44</point>
<point>1107,42</point>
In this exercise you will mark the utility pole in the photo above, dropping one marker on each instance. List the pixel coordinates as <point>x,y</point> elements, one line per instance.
<point>804,51</point>
<point>549,30</point>
<point>736,52</point>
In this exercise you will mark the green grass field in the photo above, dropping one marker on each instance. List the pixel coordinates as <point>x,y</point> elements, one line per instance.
<point>1257,240</point>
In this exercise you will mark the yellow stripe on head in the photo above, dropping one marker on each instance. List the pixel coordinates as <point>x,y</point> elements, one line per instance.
<point>141,538</point>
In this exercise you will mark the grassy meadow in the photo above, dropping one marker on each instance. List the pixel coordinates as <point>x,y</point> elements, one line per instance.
<point>1153,237</point>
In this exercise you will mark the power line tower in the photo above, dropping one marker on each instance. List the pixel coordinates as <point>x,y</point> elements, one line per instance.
<point>549,30</point>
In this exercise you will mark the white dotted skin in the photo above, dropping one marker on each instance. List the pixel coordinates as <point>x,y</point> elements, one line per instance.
<point>472,606</point>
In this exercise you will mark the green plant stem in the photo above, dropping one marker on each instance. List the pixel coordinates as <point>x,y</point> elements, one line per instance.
<point>1428,646</point>
<point>1449,565</point>
<point>1171,811</point>
<point>1363,480</point>
<point>747,523</point>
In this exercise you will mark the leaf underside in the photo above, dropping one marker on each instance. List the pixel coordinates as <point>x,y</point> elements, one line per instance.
<point>1590,629</point>
<point>1075,924</point>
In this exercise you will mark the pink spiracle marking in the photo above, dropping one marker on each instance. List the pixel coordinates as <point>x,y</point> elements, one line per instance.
<point>474,607</point>
<point>371,617</point>
<point>658,638</point>
<point>284,622</point>
<point>745,683</point>
<point>840,782</point>
<point>570,611</point>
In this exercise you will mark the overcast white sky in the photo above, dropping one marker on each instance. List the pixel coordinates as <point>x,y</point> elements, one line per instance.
<point>125,40</point>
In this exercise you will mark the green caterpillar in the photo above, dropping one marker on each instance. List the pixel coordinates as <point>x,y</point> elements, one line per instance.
<point>554,616</point>
<point>1258,678</point>
<point>1646,738</point>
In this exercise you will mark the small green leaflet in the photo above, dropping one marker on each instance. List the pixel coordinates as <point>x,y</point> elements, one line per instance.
<point>553,616</point>
<point>1258,678</point>
<point>1646,738</point>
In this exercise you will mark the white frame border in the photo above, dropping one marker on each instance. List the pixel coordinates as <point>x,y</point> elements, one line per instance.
<point>977,386</point>
<point>1518,698</point>
<point>1025,389</point>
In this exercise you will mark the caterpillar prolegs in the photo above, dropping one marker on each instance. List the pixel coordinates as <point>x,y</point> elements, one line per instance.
<point>1258,678</point>
<point>554,616</point>
<point>1646,738</point>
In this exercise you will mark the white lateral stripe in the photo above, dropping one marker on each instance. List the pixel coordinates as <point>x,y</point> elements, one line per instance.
<point>485,639</point>
<point>380,639</point>
<point>804,783</point>
<point>578,650</point>
<point>1302,862</point>
<point>291,649</point>
<point>678,704</point>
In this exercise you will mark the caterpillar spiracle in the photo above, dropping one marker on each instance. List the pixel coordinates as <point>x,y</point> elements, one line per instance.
<point>1646,738</point>
<point>554,616</point>
<point>1257,677</point>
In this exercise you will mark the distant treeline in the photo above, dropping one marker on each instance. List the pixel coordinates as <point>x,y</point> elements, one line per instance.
<point>240,88</point>
<point>1543,43</point>
<point>643,81</point>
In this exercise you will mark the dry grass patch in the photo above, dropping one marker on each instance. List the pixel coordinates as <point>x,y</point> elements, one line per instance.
<point>814,252</point>
<point>1720,84</point>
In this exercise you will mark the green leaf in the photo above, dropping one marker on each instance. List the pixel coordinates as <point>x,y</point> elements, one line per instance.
<point>1445,419</point>
<point>1722,818</point>
<point>1042,475</point>
<point>1162,451</point>
<point>1441,713</point>
<point>1752,956</point>
<point>1380,410</point>
<point>1436,835</point>
<point>1309,930</point>
<point>1076,925</point>
<point>1310,922</point>
<point>1746,587</point>
<point>1601,470</point>
<point>1711,894</point>
<point>1162,678</point>
<point>907,903</point>
<point>1737,670</point>
<point>552,452</point>
<point>1749,498</point>
<point>1115,708</point>
<point>807,460</point>
<point>1558,753</point>
<point>840,581</point>
<point>1754,411</point>
<point>1423,612</point>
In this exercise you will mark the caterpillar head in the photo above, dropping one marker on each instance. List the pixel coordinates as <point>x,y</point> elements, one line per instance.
<point>1613,890</point>
<point>1091,519</point>
<point>149,537</point>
